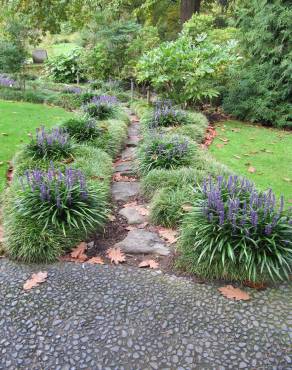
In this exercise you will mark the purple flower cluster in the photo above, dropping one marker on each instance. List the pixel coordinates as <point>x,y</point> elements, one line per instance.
<point>54,186</point>
<point>104,99</point>
<point>235,202</point>
<point>73,90</point>
<point>56,136</point>
<point>6,81</point>
<point>165,114</point>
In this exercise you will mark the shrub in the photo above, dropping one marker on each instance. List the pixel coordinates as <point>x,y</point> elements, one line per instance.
<point>163,151</point>
<point>61,200</point>
<point>236,232</point>
<point>54,144</point>
<point>164,115</point>
<point>101,107</point>
<point>167,205</point>
<point>82,129</point>
<point>66,68</point>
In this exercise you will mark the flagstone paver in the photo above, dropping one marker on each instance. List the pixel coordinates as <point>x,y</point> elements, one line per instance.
<point>125,190</point>
<point>132,215</point>
<point>114,317</point>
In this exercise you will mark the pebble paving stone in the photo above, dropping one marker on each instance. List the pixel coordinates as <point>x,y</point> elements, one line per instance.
<point>105,317</point>
<point>142,241</point>
<point>132,215</point>
<point>125,190</point>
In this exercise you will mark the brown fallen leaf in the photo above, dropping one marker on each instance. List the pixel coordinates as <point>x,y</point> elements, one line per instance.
<point>149,263</point>
<point>251,169</point>
<point>220,146</point>
<point>116,255</point>
<point>142,211</point>
<point>169,235</point>
<point>111,218</point>
<point>96,261</point>
<point>253,285</point>
<point>234,293</point>
<point>35,279</point>
<point>187,207</point>
<point>235,129</point>
<point>122,178</point>
<point>236,156</point>
<point>78,253</point>
<point>224,139</point>
<point>289,201</point>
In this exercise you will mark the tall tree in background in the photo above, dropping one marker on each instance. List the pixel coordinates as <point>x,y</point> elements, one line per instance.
<point>188,8</point>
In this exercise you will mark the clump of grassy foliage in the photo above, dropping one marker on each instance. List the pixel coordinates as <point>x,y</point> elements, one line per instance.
<point>165,151</point>
<point>236,232</point>
<point>167,205</point>
<point>101,107</point>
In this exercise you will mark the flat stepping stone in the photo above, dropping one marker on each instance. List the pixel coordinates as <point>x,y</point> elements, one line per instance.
<point>128,153</point>
<point>142,241</point>
<point>133,141</point>
<point>125,190</point>
<point>134,131</point>
<point>125,168</point>
<point>132,215</point>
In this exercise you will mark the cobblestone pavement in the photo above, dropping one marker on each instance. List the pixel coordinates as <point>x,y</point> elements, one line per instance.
<point>105,317</point>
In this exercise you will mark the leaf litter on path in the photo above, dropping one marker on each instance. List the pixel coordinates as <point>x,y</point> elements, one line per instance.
<point>237,294</point>
<point>35,279</point>
<point>115,255</point>
<point>149,263</point>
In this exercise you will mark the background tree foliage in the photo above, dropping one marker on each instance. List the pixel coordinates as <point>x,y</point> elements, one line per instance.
<point>260,87</point>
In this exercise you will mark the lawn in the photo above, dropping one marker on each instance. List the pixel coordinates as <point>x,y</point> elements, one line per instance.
<point>259,153</point>
<point>17,120</point>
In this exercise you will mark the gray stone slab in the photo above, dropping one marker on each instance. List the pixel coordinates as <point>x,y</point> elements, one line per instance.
<point>125,190</point>
<point>142,241</point>
<point>132,215</point>
<point>133,141</point>
<point>125,167</point>
<point>128,153</point>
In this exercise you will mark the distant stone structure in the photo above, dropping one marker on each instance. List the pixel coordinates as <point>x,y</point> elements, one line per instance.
<point>39,56</point>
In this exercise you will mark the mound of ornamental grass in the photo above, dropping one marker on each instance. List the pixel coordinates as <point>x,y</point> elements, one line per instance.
<point>236,232</point>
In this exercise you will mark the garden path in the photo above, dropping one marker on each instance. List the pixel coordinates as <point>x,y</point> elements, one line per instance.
<point>119,317</point>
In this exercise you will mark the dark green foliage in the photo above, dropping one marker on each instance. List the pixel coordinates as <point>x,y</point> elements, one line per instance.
<point>235,232</point>
<point>165,151</point>
<point>167,206</point>
<point>260,88</point>
<point>12,56</point>
<point>83,129</point>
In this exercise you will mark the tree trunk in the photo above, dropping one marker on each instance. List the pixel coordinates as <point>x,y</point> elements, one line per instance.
<point>188,8</point>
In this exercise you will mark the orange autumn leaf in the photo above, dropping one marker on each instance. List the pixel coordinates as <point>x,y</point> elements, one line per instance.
<point>96,261</point>
<point>169,235</point>
<point>35,279</point>
<point>116,255</point>
<point>230,292</point>
<point>219,146</point>
<point>79,253</point>
<point>253,285</point>
<point>149,263</point>
<point>119,177</point>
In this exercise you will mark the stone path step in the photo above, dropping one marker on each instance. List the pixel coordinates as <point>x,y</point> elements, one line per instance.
<point>142,241</point>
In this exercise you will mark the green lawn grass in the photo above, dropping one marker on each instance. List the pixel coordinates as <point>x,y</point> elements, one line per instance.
<point>267,150</point>
<point>17,120</point>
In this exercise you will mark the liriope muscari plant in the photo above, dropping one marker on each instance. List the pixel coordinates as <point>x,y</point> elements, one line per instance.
<point>235,231</point>
<point>50,144</point>
<point>101,107</point>
<point>62,200</point>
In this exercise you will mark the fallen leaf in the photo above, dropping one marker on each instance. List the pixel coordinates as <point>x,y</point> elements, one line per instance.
<point>253,285</point>
<point>1,163</point>
<point>220,146</point>
<point>119,177</point>
<point>96,261</point>
<point>287,179</point>
<point>236,156</point>
<point>111,218</point>
<point>169,235</point>
<point>187,207</point>
<point>4,134</point>
<point>235,129</point>
<point>289,201</point>
<point>234,293</point>
<point>142,211</point>
<point>149,263</point>
<point>116,255</point>
<point>35,279</point>
<point>78,253</point>
<point>224,139</point>
<point>251,169</point>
